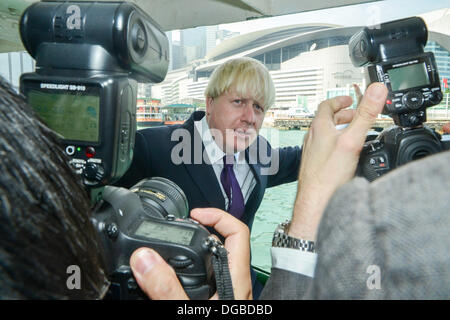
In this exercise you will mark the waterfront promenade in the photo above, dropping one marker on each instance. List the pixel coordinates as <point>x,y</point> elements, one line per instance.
<point>304,123</point>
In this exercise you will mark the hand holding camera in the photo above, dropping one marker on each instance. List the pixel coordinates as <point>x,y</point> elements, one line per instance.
<point>158,280</point>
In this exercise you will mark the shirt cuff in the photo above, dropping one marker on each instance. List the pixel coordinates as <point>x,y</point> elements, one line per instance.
<point>294,260</point>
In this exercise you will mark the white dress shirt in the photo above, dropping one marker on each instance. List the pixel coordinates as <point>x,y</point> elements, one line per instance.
<point>294,260</point>
<point>214,153</point>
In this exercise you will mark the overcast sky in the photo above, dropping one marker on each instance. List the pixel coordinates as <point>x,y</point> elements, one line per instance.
<point>375,13</point>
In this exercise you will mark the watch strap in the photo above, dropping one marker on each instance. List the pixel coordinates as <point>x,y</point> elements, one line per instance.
<point>282,240</point>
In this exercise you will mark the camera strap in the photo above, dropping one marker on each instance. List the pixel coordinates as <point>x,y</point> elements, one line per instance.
<point>224,284</point>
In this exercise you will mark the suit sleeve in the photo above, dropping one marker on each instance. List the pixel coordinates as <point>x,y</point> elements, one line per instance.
<point>285,285</point>
<point>288,162</point>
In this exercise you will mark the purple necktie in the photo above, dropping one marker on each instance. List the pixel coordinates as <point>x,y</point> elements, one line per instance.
<point>231,187</point>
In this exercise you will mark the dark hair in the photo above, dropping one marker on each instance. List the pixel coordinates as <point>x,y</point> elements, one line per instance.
<point>44,212</point>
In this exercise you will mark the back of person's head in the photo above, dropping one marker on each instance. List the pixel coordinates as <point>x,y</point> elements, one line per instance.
<point>246,76</point>
<point>44,213</point>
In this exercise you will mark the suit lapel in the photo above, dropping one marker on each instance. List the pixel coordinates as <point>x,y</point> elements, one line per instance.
<point>258,190</point>
<point>260,183</point>
<point>202,174</point>
<point>255,166</point>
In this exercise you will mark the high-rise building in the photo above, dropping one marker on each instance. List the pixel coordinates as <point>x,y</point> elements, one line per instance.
<point>222,35</point>
<point>211,36</point>
<point>176,54</point>
<point>144,90</point>
<point>193,42</point>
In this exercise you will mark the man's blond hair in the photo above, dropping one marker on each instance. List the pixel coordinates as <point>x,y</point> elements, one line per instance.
<point>246,76</point>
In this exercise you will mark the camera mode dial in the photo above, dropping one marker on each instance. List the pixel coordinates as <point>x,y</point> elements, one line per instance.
<point>435,97</point>
<point>112,230</point>
<point>413,99</point>
<point>180,262</point>
<point>93,171</point>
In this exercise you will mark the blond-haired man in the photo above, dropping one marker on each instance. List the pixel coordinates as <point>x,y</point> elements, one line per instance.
<point>217,158</point>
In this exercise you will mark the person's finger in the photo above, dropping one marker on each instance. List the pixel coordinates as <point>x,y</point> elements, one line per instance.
<point>221,221</point>
<point>215,296</point>
<point>237,243</point>
<point>344,116</point>
<point>154,276</point>
<point>371,105</point>
<point>328,108</point>
<point>358,93</point>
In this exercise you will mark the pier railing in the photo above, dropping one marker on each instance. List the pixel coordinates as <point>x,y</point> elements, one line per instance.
<point>304,123</point>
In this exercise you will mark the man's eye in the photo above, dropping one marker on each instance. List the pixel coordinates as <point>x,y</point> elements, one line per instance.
<point>258,107</point>
<point>238,101</point>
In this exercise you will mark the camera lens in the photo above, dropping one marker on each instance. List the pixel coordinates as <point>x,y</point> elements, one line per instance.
<point>161,197</point>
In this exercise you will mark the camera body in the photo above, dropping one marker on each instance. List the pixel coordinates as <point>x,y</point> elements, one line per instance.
<point>89,57</point>
<point>124,226</point>
<point>397,146</point>
<point>393,54</point>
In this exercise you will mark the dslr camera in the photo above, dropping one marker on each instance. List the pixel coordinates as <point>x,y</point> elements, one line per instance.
<point>393,53</point>
<point>89,57</point>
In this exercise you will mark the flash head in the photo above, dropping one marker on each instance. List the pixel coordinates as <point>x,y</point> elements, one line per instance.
<point>388,40</point>
<point>89,58</point>
<point>113,36</point>
<point>393,54</point>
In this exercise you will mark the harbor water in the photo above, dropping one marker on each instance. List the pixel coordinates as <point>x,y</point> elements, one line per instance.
<point>277,204</point>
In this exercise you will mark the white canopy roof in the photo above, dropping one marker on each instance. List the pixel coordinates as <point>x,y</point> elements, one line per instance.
<point>179,14</point>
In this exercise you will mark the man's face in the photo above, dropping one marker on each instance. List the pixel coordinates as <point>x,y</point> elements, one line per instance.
<point>234,120</point>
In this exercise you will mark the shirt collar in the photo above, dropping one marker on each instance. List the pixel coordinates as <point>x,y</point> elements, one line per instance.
<point>214,152</point>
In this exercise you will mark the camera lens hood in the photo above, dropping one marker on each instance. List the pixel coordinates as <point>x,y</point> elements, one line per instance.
<point>161,197</point>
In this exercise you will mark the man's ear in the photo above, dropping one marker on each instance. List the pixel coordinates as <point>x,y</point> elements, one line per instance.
<point>209,103</point>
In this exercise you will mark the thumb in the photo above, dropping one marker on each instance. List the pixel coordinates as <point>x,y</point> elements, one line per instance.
<point>155,277</point>
<point>371,105</point>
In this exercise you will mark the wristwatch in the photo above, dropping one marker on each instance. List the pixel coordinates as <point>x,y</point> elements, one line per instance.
<point>282,240</point>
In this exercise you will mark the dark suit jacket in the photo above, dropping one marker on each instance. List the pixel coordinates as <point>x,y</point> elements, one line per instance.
<point>153,158</point>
